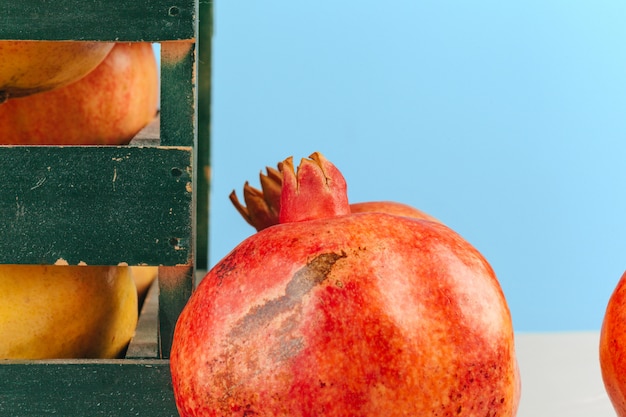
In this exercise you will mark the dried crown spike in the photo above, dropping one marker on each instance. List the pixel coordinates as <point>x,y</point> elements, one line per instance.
<point>262,206</point>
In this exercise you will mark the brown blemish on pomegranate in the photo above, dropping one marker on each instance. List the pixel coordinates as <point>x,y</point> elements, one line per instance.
<point>285,341</point>
<point>304,280</point>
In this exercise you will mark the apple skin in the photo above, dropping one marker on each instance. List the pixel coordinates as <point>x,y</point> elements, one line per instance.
<point>108,106</point>
<point>613,348</point>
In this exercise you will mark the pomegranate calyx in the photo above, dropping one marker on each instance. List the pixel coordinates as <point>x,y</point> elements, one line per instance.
<point>262,206</point>
<point>271,185</point>
<point>317,190</point>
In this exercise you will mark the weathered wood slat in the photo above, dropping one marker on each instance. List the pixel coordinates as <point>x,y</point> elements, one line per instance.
<point>178,94</point>
<point>203,166</point>
<point>86,388</point>
<point>98,205</point>
<point>110,20</point>
<point>176,284</point>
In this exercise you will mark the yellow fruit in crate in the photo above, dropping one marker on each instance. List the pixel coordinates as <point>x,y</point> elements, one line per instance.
<point>52,311</point>
<point>29,67</point>
<point>107,107</point>
<point>144,276</point>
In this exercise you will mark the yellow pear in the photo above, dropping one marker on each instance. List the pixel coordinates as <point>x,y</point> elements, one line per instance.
<point>108,106</point>
<point>29,67</point>
<point>53,311</point>
<point>144,276</point>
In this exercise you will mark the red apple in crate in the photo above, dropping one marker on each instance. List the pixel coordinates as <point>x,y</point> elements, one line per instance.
<point>107,107</point>
<point>30,67</point>
<point>329,313</point>
<point>613,348</point>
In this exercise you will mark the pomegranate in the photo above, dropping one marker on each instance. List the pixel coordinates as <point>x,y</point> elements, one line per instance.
<point>613,348</point>
<point>262,206</point>
<point>330,313</point>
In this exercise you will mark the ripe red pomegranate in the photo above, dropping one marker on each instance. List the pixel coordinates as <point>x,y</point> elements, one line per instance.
<point>330,313</point>
<point>262,206</point>
<point>613,348</point>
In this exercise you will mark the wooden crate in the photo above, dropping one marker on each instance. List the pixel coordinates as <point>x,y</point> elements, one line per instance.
<point>141,204</point>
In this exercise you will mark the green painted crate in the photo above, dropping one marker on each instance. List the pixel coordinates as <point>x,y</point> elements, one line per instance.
<point>140,204</point>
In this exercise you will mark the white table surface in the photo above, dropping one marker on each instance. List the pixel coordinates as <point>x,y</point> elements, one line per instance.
<point>561,375</point>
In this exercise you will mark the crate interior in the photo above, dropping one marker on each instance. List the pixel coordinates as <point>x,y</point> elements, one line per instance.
<point>145,203</point>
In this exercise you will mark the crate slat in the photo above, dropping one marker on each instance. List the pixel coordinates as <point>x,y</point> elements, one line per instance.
<point>110,20</point>
<point>98,205</point>
<point>203,166</point>
<point>176,284</point>
<point>178,94</point>
<point>86,388</point>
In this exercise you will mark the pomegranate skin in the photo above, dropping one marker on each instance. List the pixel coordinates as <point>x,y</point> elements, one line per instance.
<point>613,348</point>
<point>391,207</point>
<point>367,314</point>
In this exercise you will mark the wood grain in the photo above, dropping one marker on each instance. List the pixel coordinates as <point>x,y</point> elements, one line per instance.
<point>97,205</point>
<point>110,20</point>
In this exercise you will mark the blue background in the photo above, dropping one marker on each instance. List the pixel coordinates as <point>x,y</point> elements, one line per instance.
<point>506,120</point>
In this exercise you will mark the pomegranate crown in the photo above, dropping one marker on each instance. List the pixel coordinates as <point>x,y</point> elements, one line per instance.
<point>262,206</point>
<point>316,190</point>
